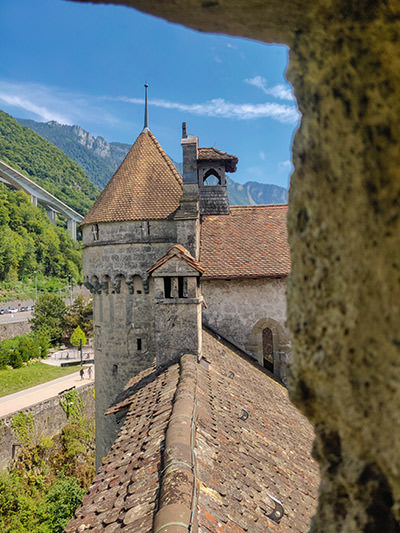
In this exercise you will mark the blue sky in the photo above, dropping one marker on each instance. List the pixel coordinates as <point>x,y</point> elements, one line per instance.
<point>84,64</point>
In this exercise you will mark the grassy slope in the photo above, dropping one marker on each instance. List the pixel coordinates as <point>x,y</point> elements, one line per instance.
<point>22,378</point>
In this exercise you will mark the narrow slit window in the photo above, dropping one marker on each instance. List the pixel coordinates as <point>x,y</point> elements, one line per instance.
<point>182,287</point>
<point>167,287</point>
<point>115,370</point>
<point>139,345</point>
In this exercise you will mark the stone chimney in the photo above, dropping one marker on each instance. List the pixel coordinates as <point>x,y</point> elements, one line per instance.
<point>188,214</point>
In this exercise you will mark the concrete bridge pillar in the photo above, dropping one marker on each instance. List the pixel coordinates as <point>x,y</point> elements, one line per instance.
<point>71,225</point>
<point>52,215</point>
<point>34,200</point>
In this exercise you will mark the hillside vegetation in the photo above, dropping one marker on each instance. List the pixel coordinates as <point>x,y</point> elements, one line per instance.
<point>29,243</point>
<point>45,164</point>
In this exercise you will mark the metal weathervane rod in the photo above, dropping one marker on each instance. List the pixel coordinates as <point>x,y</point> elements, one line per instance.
<point>146,109</point>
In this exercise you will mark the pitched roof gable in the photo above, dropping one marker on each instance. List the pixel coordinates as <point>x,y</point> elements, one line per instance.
<point>213,154</point>
<point>250,446</point>
<point>251,242</point>
<point>145,186</point>
<point>182,254</point>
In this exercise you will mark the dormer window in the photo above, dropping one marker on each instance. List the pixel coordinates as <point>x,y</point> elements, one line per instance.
<point>95,232</point>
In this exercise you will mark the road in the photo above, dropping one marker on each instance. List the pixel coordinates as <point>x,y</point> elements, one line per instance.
<point>25,398</point>
<point>9,318</point>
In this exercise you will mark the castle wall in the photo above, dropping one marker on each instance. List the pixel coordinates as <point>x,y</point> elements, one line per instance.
<point>116,257</point>
<point>240,309</point>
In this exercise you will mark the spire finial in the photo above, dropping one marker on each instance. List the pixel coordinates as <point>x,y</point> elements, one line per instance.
<point>146,109</point>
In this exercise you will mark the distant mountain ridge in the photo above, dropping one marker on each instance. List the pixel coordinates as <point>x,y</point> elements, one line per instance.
<point>100,159</point>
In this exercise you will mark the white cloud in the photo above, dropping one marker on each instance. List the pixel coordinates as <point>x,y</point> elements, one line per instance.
<point>67,107</point>
<point>52,103</point>
<point>220,108</point>
<point>284,166</point>
<point>26,100</point>
<point>277,91</point>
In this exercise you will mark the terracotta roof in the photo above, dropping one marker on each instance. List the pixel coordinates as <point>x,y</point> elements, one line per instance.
<point>213,154</point>
<point>222,427</point>
<point>177,251</point>
<point>251,242</point>
<point>145,186</point>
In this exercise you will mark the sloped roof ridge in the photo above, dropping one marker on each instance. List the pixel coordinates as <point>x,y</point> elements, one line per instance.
<point>257,206</point>
<point>202,150</point>
<point>177,502</point>
<point>176,174</point>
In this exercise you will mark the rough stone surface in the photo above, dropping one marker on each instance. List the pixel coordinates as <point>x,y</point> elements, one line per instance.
<point>344,233</point>
<point>240,310</point>
<point>7,331</point>
<point>49,417</point>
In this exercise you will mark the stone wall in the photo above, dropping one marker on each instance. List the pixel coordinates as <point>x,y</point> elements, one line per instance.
<point>240,309</point>
<point>7,331</point>
<point>49,418</point>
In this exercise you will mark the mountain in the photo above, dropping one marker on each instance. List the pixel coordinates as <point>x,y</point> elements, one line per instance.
<point>100,159</point>
<point>253,192</point>
<point>45,164</point>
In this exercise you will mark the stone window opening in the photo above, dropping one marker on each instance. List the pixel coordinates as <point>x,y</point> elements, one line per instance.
<point>145,229</point>
<point>95,232</point>
<point>167,287</point>
<point>268,349</point>
<point>139,344</point>
<point>115,370</point>
<point>212,178</point>
<point>182,287</point>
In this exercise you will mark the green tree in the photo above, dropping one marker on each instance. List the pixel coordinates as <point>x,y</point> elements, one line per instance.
<point>79,314</point>
<point>49,316</point>
<point>77,337</point>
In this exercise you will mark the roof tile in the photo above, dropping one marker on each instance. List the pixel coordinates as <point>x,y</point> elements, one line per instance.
<point>251,242</point>
<point>250,442</point>
<point>145,186</point>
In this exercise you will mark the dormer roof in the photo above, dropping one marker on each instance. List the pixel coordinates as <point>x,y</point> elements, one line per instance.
<point>146,186</point>
<point>213,154</point>
<point>179,252</point>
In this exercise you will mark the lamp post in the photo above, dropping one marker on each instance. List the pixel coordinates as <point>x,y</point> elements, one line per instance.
<point>35,286</point>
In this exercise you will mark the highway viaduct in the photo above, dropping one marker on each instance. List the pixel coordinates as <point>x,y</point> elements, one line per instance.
<point>39,195</point>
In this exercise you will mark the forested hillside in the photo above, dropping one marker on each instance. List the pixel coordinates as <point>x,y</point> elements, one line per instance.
<point>45,164</point>
<point>29,242</point>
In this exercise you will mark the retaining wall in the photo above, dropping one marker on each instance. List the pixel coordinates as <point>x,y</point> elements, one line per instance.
<point>49,418</point>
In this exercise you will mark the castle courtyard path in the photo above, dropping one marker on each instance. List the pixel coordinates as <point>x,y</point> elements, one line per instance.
<point>28,397</point>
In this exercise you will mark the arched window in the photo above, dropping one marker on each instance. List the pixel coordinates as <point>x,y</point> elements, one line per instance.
<point>268,349</point>
<point>211,178</point>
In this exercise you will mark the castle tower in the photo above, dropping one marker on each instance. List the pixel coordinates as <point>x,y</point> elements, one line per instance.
<point>204,181</point>
<point>211,167</point>
<point>129,228</point>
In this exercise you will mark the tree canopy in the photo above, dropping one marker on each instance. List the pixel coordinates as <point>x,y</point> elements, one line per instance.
<point>29,242</point>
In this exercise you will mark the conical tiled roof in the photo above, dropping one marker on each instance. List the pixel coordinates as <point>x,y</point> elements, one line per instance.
<point>145,186</point>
